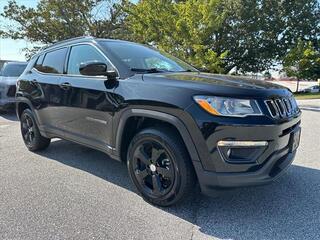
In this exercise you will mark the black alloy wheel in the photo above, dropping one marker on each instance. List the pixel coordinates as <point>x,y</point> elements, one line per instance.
<point>27,130</point>
<point>160,167</point>
<point>30,132</point>
<point>153,168</point>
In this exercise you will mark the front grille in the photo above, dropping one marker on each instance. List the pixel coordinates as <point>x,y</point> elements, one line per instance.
<point>11,91</point>
<point>282,107</point>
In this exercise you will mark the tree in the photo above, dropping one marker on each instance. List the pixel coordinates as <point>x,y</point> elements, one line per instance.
<point>300,20</point>
<point>258,33</point>
<point>248,38</point>
<point>303,61</point>
<point>220,35</point>
<point>55,20</point>
<point>267,75</point>
<point>216,35</point>
<point>183,29</point>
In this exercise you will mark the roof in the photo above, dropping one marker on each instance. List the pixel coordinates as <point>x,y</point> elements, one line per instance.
<point>67,41</point>
<point>77,40</point>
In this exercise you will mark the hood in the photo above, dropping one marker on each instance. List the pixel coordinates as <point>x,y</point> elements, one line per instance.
<point>218,84</point>
<point>8,80</point>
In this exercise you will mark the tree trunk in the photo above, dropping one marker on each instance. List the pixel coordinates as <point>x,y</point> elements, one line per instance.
<point>297,85</point>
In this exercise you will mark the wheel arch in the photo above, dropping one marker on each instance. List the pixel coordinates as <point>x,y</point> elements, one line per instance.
<point>22,104</point>
<point>157,117</point>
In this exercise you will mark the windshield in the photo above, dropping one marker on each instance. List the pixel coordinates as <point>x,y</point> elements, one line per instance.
<point>140,58</point>
<point>13,70</point>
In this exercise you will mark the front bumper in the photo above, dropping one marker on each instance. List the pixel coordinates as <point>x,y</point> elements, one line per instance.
<point>275,166</point>
<point>215,172</point>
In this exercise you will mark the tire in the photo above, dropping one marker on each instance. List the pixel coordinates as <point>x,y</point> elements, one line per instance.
<point>31,134</point>
<point>160,167</point>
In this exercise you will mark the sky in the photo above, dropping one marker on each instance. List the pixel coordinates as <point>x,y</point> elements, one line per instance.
<point>12,49</point>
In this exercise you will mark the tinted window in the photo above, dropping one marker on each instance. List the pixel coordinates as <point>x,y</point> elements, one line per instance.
<point>137,56</point>
<point>53,61</point>
<point>83,54</point>
<point>13,70</point>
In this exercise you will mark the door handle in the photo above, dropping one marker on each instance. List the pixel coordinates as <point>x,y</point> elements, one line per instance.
<point>65,85</point>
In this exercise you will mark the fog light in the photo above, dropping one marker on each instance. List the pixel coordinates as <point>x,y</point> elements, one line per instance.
<point>243,143</point>
<point>241,151</point>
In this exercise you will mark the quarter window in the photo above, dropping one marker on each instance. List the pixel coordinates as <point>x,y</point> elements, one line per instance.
<point>83,54</point>
<point>38,64</point>
<point>53,61</point>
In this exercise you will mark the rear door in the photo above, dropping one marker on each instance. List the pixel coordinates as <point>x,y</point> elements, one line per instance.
<point>46,90</point>
<point>87,101</point>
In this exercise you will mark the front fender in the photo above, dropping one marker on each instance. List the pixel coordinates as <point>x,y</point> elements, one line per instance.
<point>165,117</point>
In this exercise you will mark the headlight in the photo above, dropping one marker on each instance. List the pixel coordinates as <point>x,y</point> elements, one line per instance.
<point>229,107</point>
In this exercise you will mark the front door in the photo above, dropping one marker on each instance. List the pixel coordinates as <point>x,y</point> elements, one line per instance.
<point>88,107</point>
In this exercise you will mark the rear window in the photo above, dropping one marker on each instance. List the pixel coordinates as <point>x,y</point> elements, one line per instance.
<point>53,62</point>
<point>13,70</point>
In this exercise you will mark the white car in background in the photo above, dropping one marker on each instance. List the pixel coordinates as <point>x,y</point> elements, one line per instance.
<point>313,89</point>
<point>8,78</point>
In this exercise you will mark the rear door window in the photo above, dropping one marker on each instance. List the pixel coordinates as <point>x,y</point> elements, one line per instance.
<point>53,62</point>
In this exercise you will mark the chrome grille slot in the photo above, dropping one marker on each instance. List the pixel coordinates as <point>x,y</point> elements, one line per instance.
<point>288,106</point>
<point>282,107</point>
<point>272,108</point>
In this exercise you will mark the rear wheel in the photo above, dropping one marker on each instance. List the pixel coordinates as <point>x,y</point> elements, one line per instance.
<point>160,167</point>
<point>30,132</point>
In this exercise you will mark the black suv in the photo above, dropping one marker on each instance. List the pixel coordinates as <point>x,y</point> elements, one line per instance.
<point>171,124</point>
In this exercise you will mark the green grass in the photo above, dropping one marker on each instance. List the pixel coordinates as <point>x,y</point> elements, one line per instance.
<point>301,96</point>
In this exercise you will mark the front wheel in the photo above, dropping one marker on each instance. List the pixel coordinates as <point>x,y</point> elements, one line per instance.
<point>30,132</point>
<point>160,167</point>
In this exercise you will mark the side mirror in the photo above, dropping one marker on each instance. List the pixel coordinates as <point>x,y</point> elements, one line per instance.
<point>93,69</point>
<point>97,69</point>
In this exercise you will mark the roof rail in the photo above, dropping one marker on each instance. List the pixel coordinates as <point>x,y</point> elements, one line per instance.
<point>64,41</point>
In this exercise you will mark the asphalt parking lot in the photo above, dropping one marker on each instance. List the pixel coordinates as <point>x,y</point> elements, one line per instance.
<point>72,192</point>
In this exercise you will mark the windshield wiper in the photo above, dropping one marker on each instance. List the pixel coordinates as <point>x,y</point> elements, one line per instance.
<point>147,70</point>
<point>187,70</point>
<point>191,70</point>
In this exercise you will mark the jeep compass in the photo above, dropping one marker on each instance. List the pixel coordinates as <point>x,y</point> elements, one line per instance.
<point>173,125</point>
